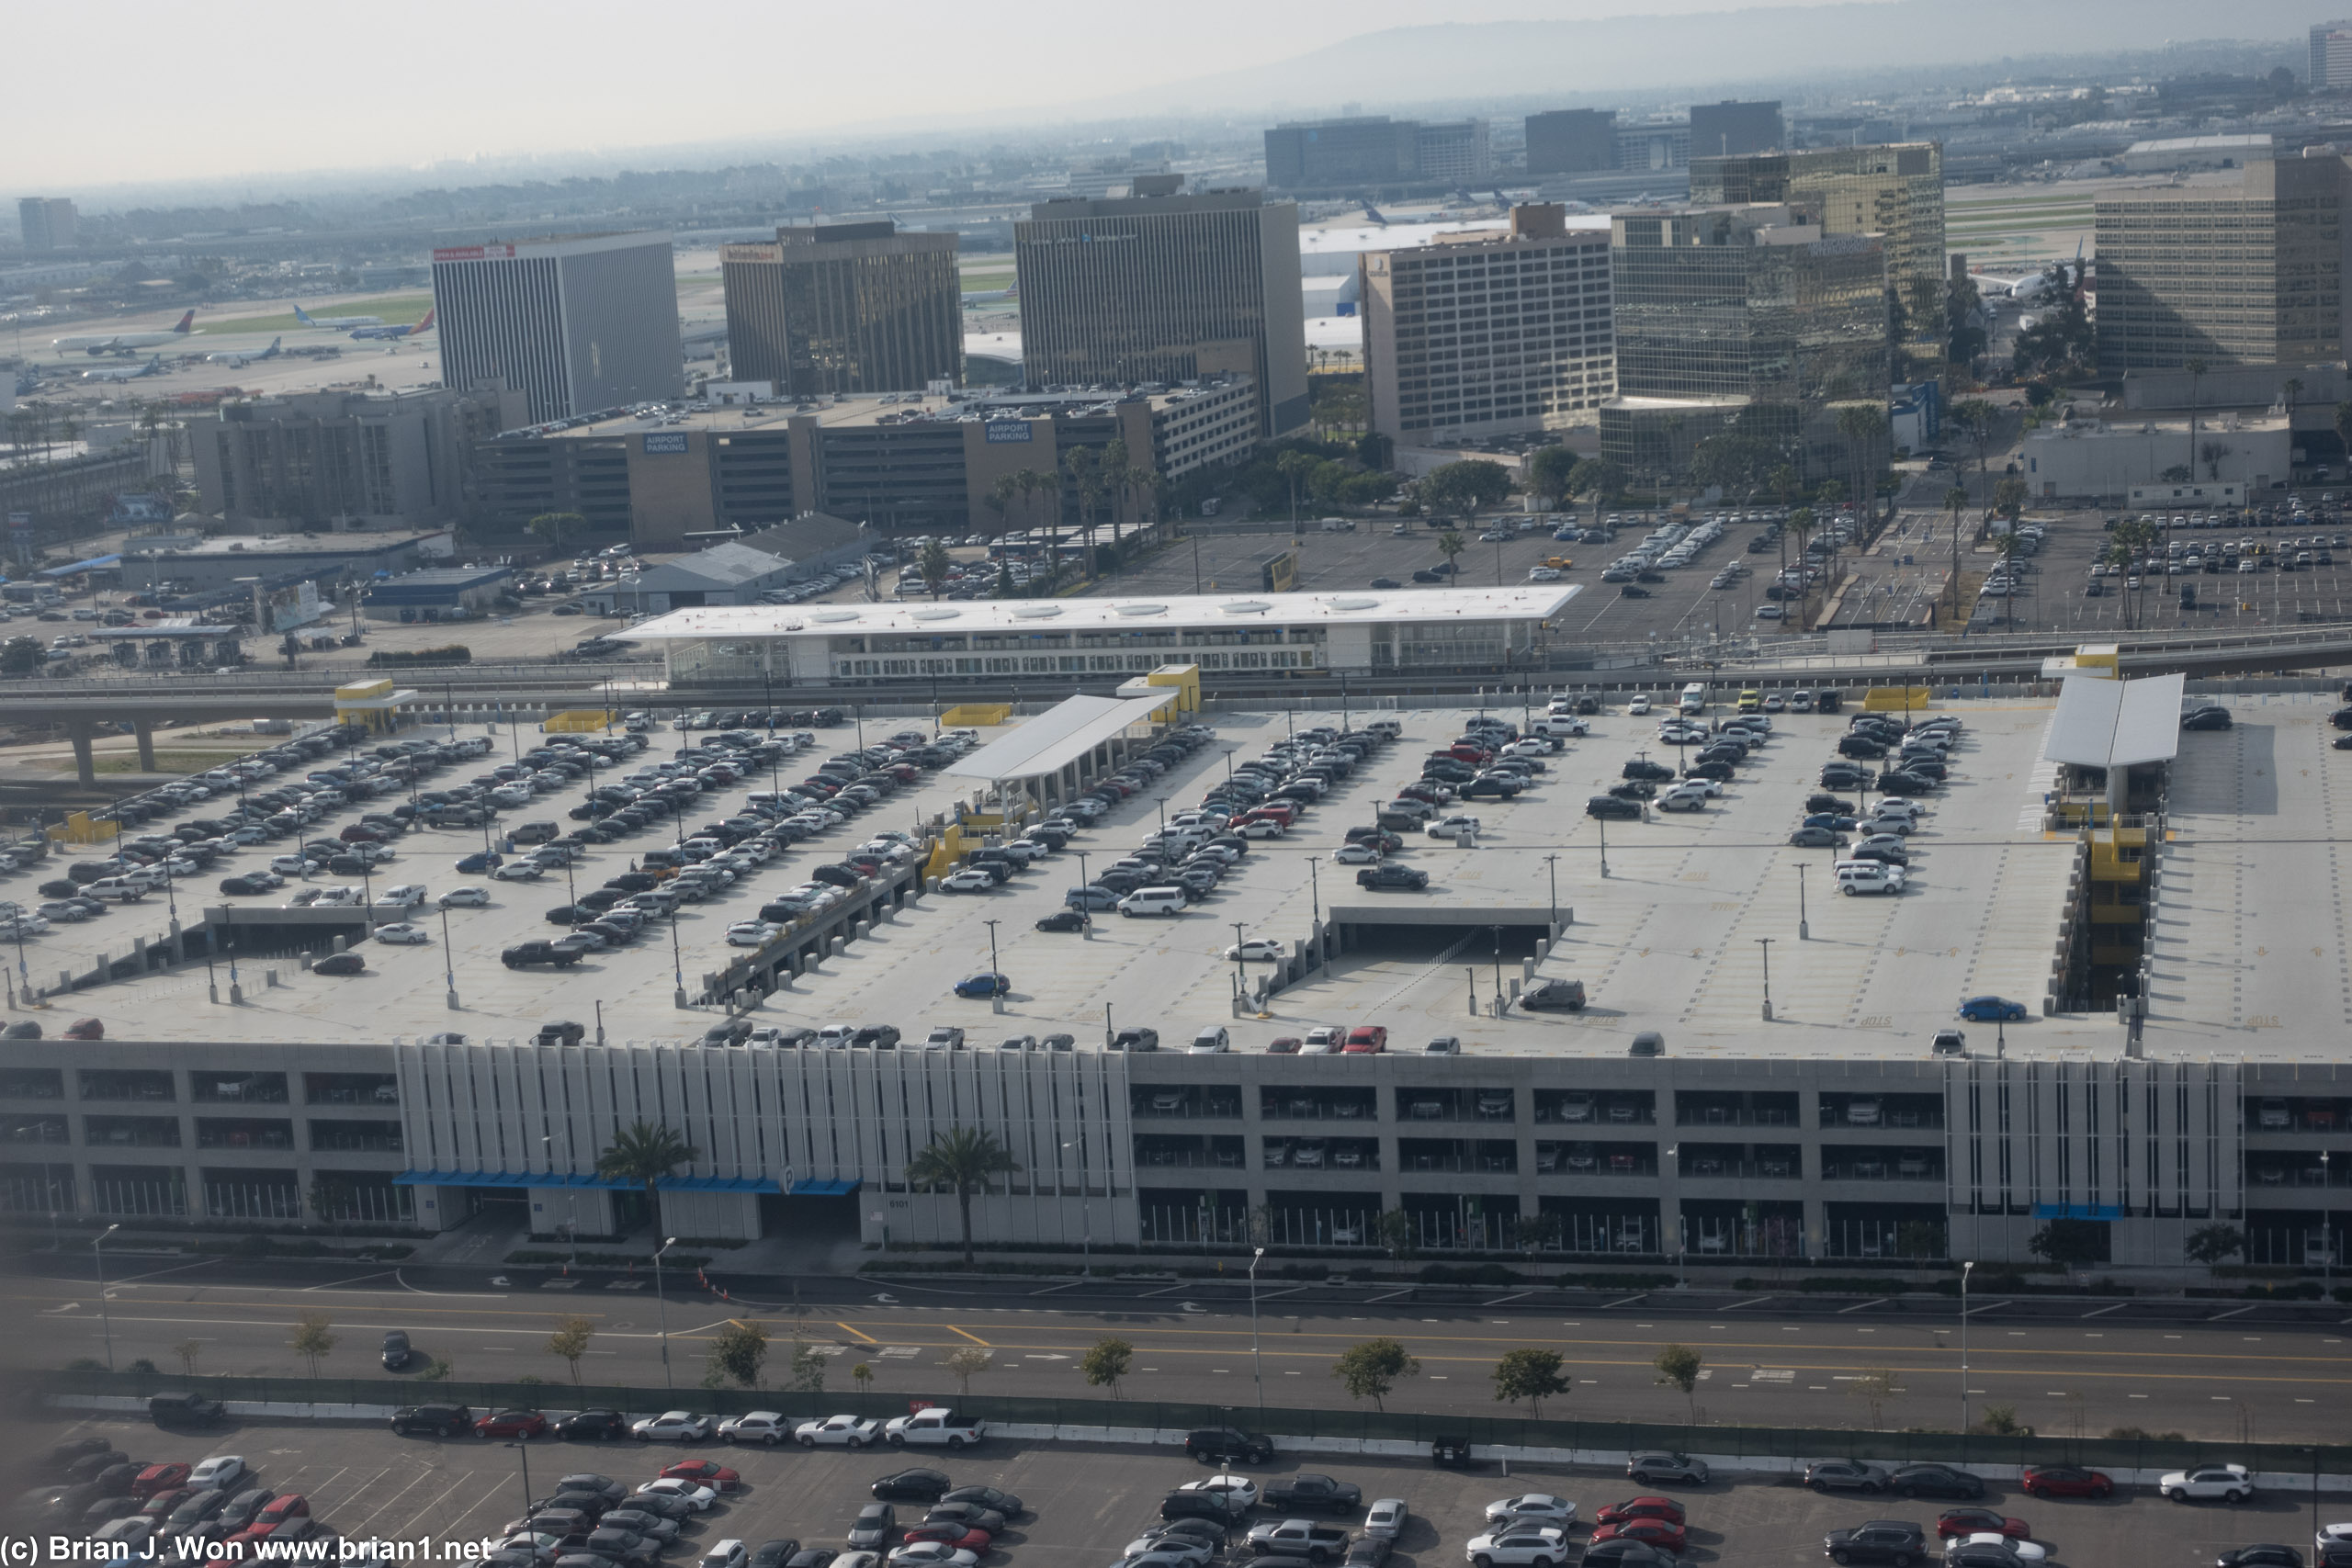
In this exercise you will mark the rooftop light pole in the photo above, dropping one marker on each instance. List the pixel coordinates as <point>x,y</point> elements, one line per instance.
<point>1766,943</point>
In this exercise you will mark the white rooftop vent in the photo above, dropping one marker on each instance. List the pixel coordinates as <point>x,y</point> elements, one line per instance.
<point>1037,612</point>
<point>833,617</point>
<point>1143,609</point>
<point>1355,603</point>
<point>1246,607</point>
<point>933,612</point>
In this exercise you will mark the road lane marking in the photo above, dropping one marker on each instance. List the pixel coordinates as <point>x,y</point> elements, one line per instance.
<point>859,1332</point>
<point>973,1338</point>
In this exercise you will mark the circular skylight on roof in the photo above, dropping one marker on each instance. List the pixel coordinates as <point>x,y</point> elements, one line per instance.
<point>1143,609</point>
<point>1037,612</point>
<point>833,617</point>
<point>933,612</point>
<point>1355,603</point>
<point>1246,607</point>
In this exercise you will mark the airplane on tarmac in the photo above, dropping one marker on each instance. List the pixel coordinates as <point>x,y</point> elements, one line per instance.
<point>154,366</point>
<point>335,323</point>
<point>372,332</point>
<point>245,356</point>
<point>122,343</point>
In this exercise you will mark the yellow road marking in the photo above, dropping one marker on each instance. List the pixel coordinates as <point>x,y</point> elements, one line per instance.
<point>845,1328</point>
<point>973,1338</point>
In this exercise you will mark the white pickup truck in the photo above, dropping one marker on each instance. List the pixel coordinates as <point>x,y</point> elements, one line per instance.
<point>939,1426</point>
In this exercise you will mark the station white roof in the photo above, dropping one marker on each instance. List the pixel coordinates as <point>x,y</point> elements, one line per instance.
<point>2102,723</point>
<point>1536,601</point>
<point>1061,735</point>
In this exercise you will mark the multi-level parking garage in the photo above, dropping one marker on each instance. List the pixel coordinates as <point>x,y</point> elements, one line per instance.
<point>1825,1126</point>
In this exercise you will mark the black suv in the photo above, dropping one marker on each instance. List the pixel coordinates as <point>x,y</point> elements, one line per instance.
<point>1896,1542</point>
<point>539,953</point>
<point>592,1426</point>
<point>1227,1445</point>
<point>184,1410</point>
<point>1392,877</point>
<point>1612,806</point>
<point>1310,1490</point>
<point>442,1420</point>
<point>1568,994</point>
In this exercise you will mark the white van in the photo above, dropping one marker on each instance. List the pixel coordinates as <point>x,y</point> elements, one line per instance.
<point>1154,901</point>
<point>1559,727</point>
<point>1694,697</point>
<point>115,889</point>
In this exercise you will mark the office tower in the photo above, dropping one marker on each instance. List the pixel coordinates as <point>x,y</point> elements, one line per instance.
<point>1727,128</point>
<point>1454,151</point>
<point>2250,272</point>
<point>1571,142</point>
<point>1163,285</point>
<point>1483,334</point>
<point>2331,55</point>
<point>47,221</point>
<point>1741,316</point>
<point>1895,191</point>
<point>844,307</point>
<point>1364,150</point>
<point>387,459</point>
<point>576,323</point>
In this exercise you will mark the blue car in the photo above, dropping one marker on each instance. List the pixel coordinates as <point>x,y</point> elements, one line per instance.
<point>984,986</point>
<point>1991,1010</point>
<point>482,861</point>
<point>1831,820</point>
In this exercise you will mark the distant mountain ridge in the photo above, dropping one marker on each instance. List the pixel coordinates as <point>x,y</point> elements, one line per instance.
<point>1648,53</point>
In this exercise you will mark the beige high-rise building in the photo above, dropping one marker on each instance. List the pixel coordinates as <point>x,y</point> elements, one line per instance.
<point>844,307</point>
<point>1895,191</point>
<point>2245,270</point>
<point>1485,333</point>
<point>1162,285</point>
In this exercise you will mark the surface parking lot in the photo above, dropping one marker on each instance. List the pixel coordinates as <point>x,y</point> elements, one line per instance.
<point>1085,1502</point>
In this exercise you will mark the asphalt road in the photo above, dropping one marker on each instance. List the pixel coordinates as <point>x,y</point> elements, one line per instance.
<point>1082,1502</point>
<point>2089,1371</point>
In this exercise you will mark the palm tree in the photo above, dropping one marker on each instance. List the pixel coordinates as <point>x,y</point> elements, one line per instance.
<point>963,1158</point>
<point>1118,478</point>
<point>1000,494</point>
<point>1031,481</point>
<point>645,1153</point>
<point>1450,544</point>
<point>1861,426</point>
<point>1084,467</point>
<point>1801,525</point>
<point>1293,464</point>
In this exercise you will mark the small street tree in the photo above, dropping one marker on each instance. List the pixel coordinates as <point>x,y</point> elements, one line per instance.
<point>807,1368</point>
<point>1106,1361</point>
<point>1874,1387</point>
<point>966,1363</point>
<point>188,1350</point>
<point>1370,1370</point>
<point>1531,1374</point>
<point>1678,1367</point>
<point>1451,543</point>
<point>569,1341</point>
<point>644,1155</point>
<point>556,529</point>
<point>313,1339</point>
<point>1550,472</point>
<point>2209,1245</point>
<point>1394,1230</point>
<point>2069,1242</point>
<point>739,1352</point>
<point>862,1374</point>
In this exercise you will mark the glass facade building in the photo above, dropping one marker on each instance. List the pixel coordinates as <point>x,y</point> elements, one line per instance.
<point>844,307</point>
<point>1895,191</point>
<point>2247,271</point>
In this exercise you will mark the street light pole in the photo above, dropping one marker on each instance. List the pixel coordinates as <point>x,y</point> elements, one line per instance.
<point>1804,927</point>
<point>106,1320</point>
<point>1257,1374</point>
<point>1965,1269</point>
<point>991,925</point>
<point>449,961</point>
<point>1551,866</point>
<point>661,1310</point>
<point>524,1449</point>
<point>1766,943</point>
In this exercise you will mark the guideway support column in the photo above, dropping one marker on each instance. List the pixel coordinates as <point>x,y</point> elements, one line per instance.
<point>85,763</point>
<point>144,728</point>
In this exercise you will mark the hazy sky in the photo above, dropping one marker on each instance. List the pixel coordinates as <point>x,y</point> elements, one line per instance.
<point>105,91</point>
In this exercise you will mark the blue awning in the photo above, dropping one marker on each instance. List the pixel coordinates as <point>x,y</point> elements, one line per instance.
<point>823,1189</point>
<point>91,565</point>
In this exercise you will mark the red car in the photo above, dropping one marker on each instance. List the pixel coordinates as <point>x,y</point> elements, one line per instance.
<point>161,1505</point>
<point>158,1478</point>
<point>1366,1040</point>
<point>949,1533</point>
<point>1981,1522</point>
<point>512,1424</point>
<point>2063,1481</point>
<point>293,1506</point>
<point>708,1472</point>
<point>360,833</point>
<point>1663,1534</point>
<point>1665,1508</point>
